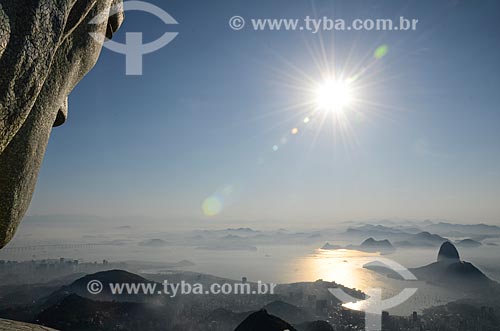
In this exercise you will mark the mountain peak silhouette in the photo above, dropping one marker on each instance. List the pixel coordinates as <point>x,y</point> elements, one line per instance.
<point>451,272</point>
<point>448,252</point>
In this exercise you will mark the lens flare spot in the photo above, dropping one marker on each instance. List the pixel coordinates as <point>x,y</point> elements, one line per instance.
<point>295,131</point>
<point>275,148</point>
<point>381,51</point>
<point>307,120</point>
<point>212,206</point>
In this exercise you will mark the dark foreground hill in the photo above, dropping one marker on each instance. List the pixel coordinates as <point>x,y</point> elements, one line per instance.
<point>262,321</point>
<point>79,287</point>
<point>75,313</point>
<point>288,312</point>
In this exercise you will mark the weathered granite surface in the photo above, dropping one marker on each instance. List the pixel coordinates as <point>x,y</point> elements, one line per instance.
<point>45,50</point>
<point>6,325</point>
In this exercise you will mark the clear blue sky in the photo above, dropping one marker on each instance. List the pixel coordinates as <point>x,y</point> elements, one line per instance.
<point>212,104</point>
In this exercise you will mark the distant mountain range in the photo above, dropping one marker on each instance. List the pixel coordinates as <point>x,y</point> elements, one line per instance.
<point>421,239</point>
<point>468,243</point>
<point>399,237</point>
<point>384,246</point>
<point>442,228</point>
<point>369,245</point>
<point>427,236</point>
<point>372,245</point>
<point>463,230</point>
<point>154,243</point>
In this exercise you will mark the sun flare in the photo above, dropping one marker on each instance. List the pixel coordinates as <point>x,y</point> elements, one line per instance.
<point>333,96</point>
<point>330,102</point>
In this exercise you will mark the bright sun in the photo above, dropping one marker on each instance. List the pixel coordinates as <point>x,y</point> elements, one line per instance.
<point>333,96</point>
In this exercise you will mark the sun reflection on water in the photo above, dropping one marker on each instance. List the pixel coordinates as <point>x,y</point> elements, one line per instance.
<point>342,266</point>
